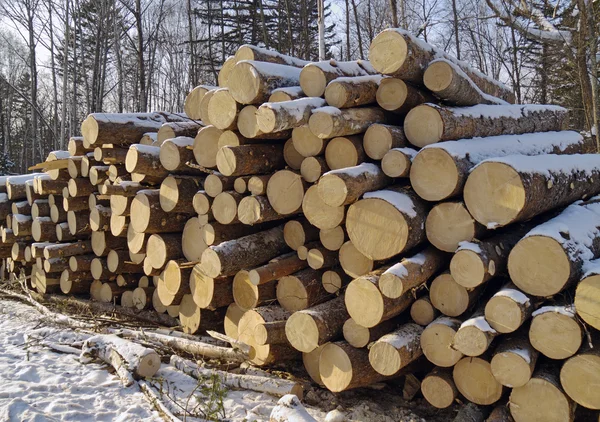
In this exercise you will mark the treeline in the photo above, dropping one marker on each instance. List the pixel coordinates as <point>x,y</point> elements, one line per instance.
<point>63,59</point>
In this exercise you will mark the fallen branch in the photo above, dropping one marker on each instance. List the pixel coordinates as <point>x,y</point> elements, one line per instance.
<point>234,343</point>
<point>151,395</point>
<point>188,346</point>
<point>275,386</point>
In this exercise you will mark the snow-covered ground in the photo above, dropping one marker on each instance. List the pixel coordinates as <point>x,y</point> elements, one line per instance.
<point>39,384</point>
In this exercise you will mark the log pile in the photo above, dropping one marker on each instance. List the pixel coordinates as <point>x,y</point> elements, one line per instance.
<point>376,219</point>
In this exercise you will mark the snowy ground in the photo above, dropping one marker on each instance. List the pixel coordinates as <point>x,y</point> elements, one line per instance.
<point>39,384</point>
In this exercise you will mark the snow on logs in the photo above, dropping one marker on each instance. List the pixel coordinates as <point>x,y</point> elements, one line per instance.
<point>315,77</point>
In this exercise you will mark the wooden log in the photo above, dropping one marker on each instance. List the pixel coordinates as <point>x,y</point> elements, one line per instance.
<point>104,128</point>
<point>203,107</point>
<point>103,243</point>
<point>400,97</point>
<point>192,244</point>
<point>334,280</point>
<point>358,336</point>
<point>397,162</point>
<point>58,214</point>
<point>436,342</point>
<point>79,223</point>
<point>312,168</point>
<point>206,146</point>
<point>411,272</point>
<point>176,193</point>
<point>75,283</point>
<point>439,389</point>
<point>121,205</point>
<point>349,92</point>
<point>586,295</point>
<point>474,336</point>
<point>514,360</point>
<point>292,158</point>
<point>21,225</point>
<point>555,331</point>
<point>542,398</point>
<point>450,84</point>
<point>98,174</point>
<point>250,159</point>
<point>449,297</point>
<point>234,139</point>
<point>448,123</point>
<point>21,207</point>
<point>367,306</point>
<point>387,222</point>
<point>508,309</point>
<point>202,202</point>
<point>56,265</point>
<point>345,186</point>
<point>333,239</point>
<point>276,268</point>
<point>342,367</point>
<point>301,290</point>
<point>74,166</point>
<point>263,326</point>
<point>15,186</point>
<point>110,154</point>
<point>470,412</point>
<point>277,117</point>
<point>308,329</point>
<point>191,106</point>
<point>247,252</point>
<point>149,216</point>
<point>580,372</point>
<point>299,232</point>
<point>80,203</point>
<point>43,230</point>
<point>379,139</point>
<point>331,122</point>
<point>560,257</point>
<point>396,52</point>
<point>248,126</point>
<point>124,188</point>
<point>75,146</point>
<point>216,233</point>
<point>474,263</point>
<point>163,248</point>
<point>306,143</point>
<point>318,213</point>
<point>395,350</point>
<point>18,251</point>
<point>80,187</point>
<point>174,155</point>
<point>440,171</point>
<point>252,52</point>
<point>474,380</point>
<point>225,206</point>
<point>263,79</point>
<point>257,185</point>
<point>125,356</point>
<point>353,262</point>
<point>315,77</point>
<point>248,295</point>
<point>450,223</point>
<point>287,93</point>
<point>285,192</point>
<point>145,159</point>
<point>320,258</point>
<point>240,184</point>
<point>256,209</point>
<point>223,110</point>
<point>100,218</point>
<point>48,186</point>
<point>172,130</point>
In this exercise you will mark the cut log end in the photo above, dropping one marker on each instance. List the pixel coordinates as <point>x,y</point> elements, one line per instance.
<point>335,368</point>
<point>494,194</point>
<point>467,268</point>
<point>577,377</point>
<point>285,191</point>
<point>540,400</point>
<point>439,390</point>
<point>419,134</point>
<point>587,297</point>
<point>448,224</point>
<point>436,342</point>
<point>387,52</point>
<point>504,314</point>
<point>392,94</point>
<point>449,297</point>
<point>511,368</point>
<point>438,76</point>
<point>364,302</point>
<point>313,81</point>
<point>474,379</point>
<point>302,332</point>
<point>434,175</point>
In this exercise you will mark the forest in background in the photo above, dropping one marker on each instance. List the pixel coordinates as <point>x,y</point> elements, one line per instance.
<point>63,59</point>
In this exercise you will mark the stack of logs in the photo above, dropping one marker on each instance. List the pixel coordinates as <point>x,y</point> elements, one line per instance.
<point>376,219</point>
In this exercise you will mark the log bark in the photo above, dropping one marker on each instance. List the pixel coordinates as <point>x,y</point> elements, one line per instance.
<point>320,258</point>
<point>110,154</point>
<point>75,146</point>
<point>310,328</point>
<point>276,268</point>
<point>292,158</point>
<point>440,171</point>
<point>448,123</point>
<point>150,217</point>
<point>104,128</point>
<point>43,229</point>
<point>387,222</point>
<point>251,82</point>
<point>98,174</point>
<point>315,77</point>
<point>330,122</point>
<point>250,159</point>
